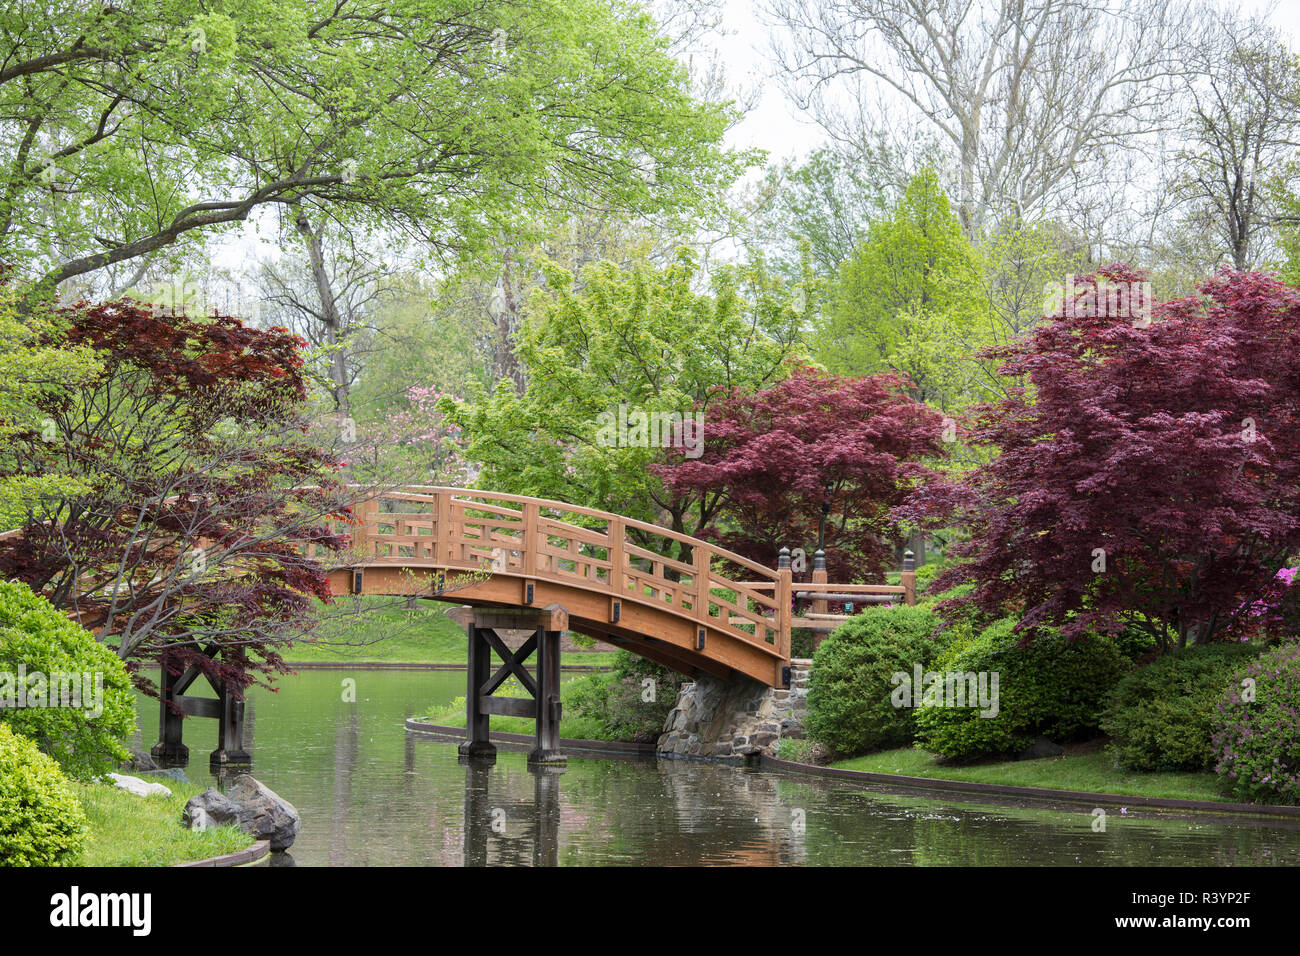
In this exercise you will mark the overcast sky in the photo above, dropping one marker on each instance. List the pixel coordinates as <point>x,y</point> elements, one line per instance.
<point>778,127</point>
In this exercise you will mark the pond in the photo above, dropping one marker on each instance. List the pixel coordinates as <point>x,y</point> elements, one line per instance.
<point>371,794</point>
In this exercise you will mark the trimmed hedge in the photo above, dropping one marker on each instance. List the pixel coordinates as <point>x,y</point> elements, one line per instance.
<point>41,822</point>
<point>1257,743</point>
<point>1053,687</point>
<point>849,690</point>
<point>37,638</point>
<point>1160,716</point>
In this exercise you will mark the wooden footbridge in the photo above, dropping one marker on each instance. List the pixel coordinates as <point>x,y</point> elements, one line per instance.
<point>547,566</point>
<point>672,598</point>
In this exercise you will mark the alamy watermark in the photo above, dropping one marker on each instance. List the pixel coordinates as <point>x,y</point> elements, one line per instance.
<point>636,428</point>
<point>33,689</point>
<point>1103,298</point>
<point>951,689</point>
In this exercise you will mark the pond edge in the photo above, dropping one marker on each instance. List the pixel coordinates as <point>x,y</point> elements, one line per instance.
<point>252,854</point>
<point>1074,796</point>
<point>920,783</point>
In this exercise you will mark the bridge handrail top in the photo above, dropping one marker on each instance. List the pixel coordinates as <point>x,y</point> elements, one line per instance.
<point>589,512</point>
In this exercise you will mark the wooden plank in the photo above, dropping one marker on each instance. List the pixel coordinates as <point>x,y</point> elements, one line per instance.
<point>553,617</point>
<point>515,665</point>
<point>198,706</point>
<point>508,706</point>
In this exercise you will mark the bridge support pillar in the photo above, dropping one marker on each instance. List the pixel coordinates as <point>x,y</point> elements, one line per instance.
<point>477,740</point>
<point>547,626</point>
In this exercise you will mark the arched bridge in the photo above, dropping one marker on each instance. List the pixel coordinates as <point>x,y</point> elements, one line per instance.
<point>666,596</point>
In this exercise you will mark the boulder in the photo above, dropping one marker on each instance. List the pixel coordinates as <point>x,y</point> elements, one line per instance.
<point>253,807</point>
<point>263,813</point>
<point>171,773</point>
<point>141,788</point>
<point>1041,747</point>
<point>210,808</point>
<point>138,761</point>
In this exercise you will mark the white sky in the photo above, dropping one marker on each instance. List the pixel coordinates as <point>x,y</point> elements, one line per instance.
<point>778,127</point>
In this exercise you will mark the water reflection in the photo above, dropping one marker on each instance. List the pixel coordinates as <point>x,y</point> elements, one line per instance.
<point>372,794</point>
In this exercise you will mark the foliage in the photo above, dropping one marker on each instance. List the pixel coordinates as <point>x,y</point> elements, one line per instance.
<point>907,299</point>
<point>774,457</point>
<point>204,493</point>
<point>31,367</point>
<point>1257,742</point>
<point>617,701</point>
<point>41,640</point>
<point>41,822</point>
<point>137,123</point>
<point>850,687</point>
<point>1148,473</point>
<point>1054,687</point>
<point>640,336</point>
<point>1159,716</point>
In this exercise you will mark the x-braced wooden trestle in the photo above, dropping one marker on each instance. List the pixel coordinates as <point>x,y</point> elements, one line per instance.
<point>548,626</point>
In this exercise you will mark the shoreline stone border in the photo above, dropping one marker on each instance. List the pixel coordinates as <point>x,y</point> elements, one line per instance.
<point>764,762</point>
<point>568,743</point>
<point>258,851</point>
<point>905,782</point>
<point>413,666</point>
<point>1040,793</point>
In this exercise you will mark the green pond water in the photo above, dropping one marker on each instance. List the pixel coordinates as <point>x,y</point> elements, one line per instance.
<point>371,794</point>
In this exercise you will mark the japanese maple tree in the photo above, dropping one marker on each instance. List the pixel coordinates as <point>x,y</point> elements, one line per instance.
<point>776,455</point>
<point>1148,473</point>
<point>205,507</point>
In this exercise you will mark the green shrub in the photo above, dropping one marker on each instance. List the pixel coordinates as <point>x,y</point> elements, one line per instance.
<point>1257,743</point>
<point>1053,687</point>
<point>849,690</point>
<point>1160,715</point>
<point>41,822</point>
<point>39,639</point>
<point>616,701</point>
<point>927,573</point>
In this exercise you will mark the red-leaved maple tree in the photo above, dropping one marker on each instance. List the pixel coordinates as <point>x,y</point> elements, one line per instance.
<point>1147,475</point>
<point>777,455</point>
<point>203,493</point>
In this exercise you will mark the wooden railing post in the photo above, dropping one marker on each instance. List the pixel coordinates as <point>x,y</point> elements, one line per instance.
<point>819,577</point>
<point>531,537</point>
<point>908,578</point>
<point>617,559</point>
<point>784,598</point>
<point>363,537</point>
<point>442,549</point>
<point>703,565</point>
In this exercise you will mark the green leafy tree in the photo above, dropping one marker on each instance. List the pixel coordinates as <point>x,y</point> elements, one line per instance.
<point>128,127</point>
<point>643,337</point>
<point>908,300</point>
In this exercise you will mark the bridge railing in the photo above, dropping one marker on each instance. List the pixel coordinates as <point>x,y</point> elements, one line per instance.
<point>459,528</point>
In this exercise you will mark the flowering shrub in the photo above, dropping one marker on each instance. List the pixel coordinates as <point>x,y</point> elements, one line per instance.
<point>1257,729</point>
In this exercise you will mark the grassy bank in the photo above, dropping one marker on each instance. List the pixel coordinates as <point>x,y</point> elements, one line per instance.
<point>1091,772</point>
<point>126,830</point>
<point>393,635</point>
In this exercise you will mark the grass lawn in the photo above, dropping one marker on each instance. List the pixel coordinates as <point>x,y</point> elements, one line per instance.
<point>1093,772</point>
<point>126,830</point>
<point>395,635</point>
